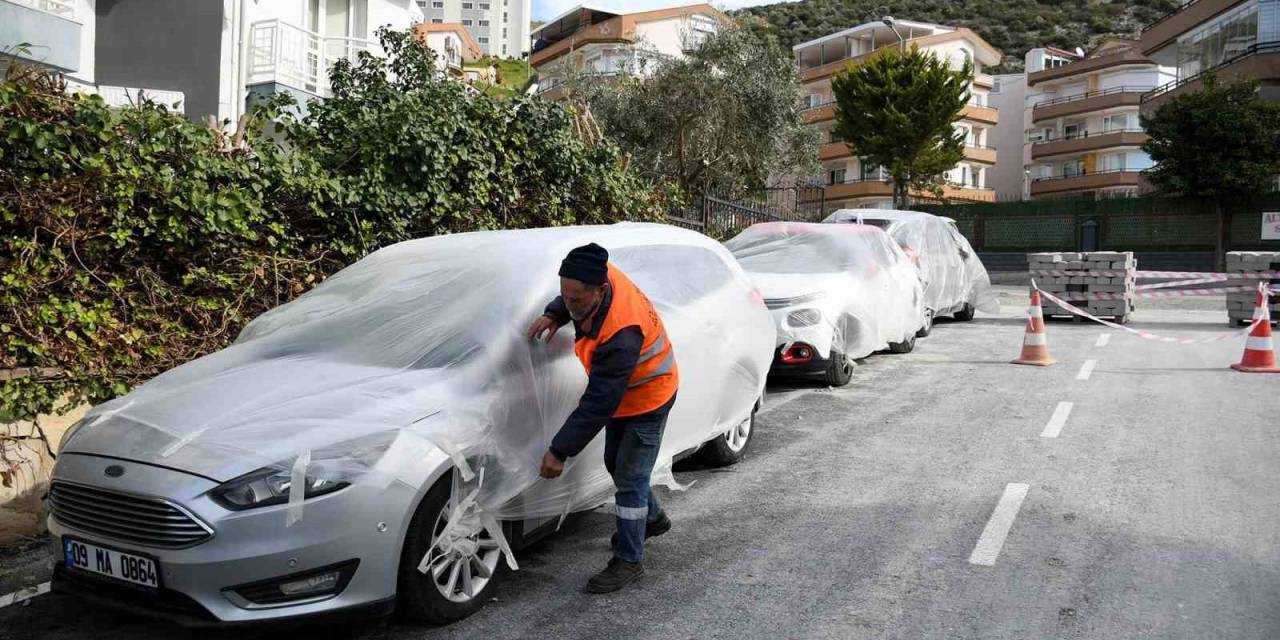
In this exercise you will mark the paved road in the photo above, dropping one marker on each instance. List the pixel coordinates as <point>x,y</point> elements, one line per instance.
<point>1154,512</point>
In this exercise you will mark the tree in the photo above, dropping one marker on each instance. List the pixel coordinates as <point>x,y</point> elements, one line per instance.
<point>1221,143</point>
<point>725,115</point>
<point>898,110</point>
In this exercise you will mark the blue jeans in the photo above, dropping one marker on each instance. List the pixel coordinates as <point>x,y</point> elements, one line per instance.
<point>630,451</point>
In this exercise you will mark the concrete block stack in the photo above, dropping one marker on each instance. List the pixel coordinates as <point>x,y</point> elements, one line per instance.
<point>1112,261</point>
<point>1240,304</point>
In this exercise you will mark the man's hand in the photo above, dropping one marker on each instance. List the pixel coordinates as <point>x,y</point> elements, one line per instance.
<point>551,466</point>
<point>543,324</point>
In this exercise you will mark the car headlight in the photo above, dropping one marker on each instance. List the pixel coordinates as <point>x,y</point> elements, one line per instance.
<point>804,317</point>
<point>71,433</point>
<point>268,486</point>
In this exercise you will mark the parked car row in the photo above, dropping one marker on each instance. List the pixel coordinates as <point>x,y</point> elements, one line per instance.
<point>374,444</point>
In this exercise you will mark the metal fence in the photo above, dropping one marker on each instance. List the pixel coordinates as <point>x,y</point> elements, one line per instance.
<point>1121,224</point>
<point>722,215</point>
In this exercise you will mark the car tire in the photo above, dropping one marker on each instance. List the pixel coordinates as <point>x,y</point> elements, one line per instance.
<point>906,346</point>
<point>420,596</point>
<point>965,313</point>
<point>730,447</point>
<point>928,324</point>
<point>839,370</point>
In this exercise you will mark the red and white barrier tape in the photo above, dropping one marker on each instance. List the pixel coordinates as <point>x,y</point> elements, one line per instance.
<point>1214,277</point>
<point>1147,335</point>
<point>1148,294</point>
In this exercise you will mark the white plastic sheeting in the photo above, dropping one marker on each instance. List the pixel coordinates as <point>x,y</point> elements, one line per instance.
<point>420,346</point>
<point>952,273</point>
<point>844,288</point>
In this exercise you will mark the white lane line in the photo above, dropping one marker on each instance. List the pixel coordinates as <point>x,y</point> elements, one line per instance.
<point>992,538</point>
<point>1103,340</point>
<point>23,594</point>
<point>1086,369</point>
<point>1059,418</point>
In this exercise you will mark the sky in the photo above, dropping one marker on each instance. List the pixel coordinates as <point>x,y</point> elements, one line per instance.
<point>547,9</point>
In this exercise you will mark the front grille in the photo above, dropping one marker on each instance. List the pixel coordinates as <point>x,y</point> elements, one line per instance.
<point>150,522</point>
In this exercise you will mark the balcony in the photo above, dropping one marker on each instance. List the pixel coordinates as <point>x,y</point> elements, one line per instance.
<point>874,187</point>
<point>986,115</point>
<point>1127,96</point>
<point>1260,61</point>
<point>820,113</point>
<point>47,26</point>
<point>1089,65</point>
<point>1059,185</point>
<point>616,29</point>
<point>1088,142</point>
<point>290,56</point>
<point>1190,15</point>
<point>980,153</point>
<point>833,150</point>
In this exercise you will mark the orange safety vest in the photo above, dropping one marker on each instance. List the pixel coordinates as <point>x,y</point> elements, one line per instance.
<point>656,377</point>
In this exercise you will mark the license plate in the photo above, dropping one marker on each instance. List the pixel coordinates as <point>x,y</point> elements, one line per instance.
<point>120,565</point>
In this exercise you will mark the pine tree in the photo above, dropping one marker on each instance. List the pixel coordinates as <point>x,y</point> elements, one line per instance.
<point>898,110</point>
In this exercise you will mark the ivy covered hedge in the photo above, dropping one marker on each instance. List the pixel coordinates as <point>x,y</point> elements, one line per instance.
<point>133,240</point>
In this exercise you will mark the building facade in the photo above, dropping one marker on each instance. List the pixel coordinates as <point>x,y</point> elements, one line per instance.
<point>847,181</point>
<point>453,45</point>
<point>500,27</point>
<point>1083,136</point>
<point>1008,97</point>
<point>603,43</point>
<point>1236,39</point>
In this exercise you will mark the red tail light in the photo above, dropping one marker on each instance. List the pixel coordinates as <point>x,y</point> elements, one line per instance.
<point>911,253</point>
<point>798,353</point>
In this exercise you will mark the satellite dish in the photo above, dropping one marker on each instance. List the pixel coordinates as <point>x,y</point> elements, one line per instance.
<point>1079,52</point>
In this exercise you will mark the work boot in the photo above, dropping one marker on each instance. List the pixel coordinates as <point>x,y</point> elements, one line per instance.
<point>651,529</point>
<point>617,575</point>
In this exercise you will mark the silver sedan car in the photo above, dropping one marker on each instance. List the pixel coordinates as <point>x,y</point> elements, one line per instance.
<point>375,443</point>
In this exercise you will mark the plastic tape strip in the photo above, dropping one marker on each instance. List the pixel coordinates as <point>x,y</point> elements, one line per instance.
<point>1234,275</point>
<point>1143,334</point>
<point>107,414</point>
<point>1085,295</point>
<point>181,442</point>
<point>446,445</point>
<point>1177,283</point>
<point>297,488</point>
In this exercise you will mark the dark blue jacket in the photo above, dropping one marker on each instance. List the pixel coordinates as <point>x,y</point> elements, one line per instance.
<point>611,367</point>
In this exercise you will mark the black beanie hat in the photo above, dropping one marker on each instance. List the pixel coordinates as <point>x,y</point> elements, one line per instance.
<point>586,264</point>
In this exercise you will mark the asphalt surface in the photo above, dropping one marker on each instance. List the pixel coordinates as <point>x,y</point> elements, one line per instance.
<point>1154,512</point>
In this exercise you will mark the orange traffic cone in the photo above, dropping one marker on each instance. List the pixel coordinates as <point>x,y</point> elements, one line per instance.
<point>1035,346</point>
<point>1259,354</point>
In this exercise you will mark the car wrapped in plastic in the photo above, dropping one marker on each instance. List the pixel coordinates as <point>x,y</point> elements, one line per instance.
<point>955,281</point>
<point>377,441</point>
<point>836,292</point>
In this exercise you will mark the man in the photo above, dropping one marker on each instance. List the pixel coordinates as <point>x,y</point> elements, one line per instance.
<point>631,386</point>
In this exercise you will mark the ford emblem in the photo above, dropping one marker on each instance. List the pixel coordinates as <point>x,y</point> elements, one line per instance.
<point>114,471</point>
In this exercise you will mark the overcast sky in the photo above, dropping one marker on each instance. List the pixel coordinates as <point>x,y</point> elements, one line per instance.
<point>547,9</point>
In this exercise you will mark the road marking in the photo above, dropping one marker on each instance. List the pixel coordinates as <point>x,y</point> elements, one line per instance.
<point>1086,370</point>
<point>23,594</point>
<point>992,538</point>
<point>1058,419</point>
<point>1103,340</point>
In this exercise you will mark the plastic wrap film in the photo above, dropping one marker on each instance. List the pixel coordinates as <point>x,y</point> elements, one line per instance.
<point>949,267</point>
<point>842,288</point>
<point>420,347</point>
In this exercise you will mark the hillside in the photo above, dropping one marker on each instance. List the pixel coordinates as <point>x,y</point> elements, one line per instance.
<point>1013,26</point>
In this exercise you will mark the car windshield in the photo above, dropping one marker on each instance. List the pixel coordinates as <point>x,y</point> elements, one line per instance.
<point>805,248</point>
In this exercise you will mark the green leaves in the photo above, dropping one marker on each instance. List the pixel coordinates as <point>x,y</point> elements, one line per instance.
<point>1220,142</point>
<point>898,110</point>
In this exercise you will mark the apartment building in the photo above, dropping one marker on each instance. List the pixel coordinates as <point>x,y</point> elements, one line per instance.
<point>1083,136</point>
<point>64,36</point>
<point>1236,39</point>
<point>848,181</point>
<point>500,27</point>
<point>213,55</point>
<point>589,40</point>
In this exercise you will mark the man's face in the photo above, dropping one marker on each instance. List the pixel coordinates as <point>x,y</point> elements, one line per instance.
<point>581,298</point>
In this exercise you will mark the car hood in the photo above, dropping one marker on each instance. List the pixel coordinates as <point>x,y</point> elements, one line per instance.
<point>776,287</point>
<point>264,414</point>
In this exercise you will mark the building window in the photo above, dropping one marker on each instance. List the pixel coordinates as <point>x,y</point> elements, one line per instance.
<point>504,16</point>
<point>484,23</point>
<point>1073,131</point>
<point>437,5</point>
<point>437,21</point>
<point>1072,168</point>
<point>504,49</point>
<point>484,6</point>
<point>1118,122</point>
<point>466,23</point>
<point>504,33</point>
<point>997,85</point>
<point>835,176</point>
<point>468,5</point>
<point>484,40</point>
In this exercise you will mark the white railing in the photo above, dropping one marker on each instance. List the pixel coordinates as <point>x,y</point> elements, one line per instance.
<point>288,54</point>
<point>130,96</point>
<point>61,8</point>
